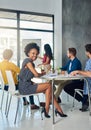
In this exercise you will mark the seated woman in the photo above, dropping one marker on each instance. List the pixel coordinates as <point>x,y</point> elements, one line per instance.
<point>28,72</point>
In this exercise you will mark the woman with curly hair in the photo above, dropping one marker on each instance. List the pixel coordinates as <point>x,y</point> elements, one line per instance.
<point>26,86</point>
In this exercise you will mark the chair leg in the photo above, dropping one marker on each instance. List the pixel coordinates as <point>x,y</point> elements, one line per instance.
<point>74,99</point>
<point>41,115</point>
<point>38,100</point>
<point>8,107</point>
<point>30,108</point>
<point>17,110</point>
<point>40,108</point>
<point>67,98</point>
<point>6,103</point>
<point>2,100</point>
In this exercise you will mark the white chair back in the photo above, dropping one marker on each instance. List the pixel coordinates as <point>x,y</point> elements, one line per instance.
<point>12,87</point>
<point>1,80</point>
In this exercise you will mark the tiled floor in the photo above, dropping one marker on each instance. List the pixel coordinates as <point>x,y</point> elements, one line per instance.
<point>76,120</point>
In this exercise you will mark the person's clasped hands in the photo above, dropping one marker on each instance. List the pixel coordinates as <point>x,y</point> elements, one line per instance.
<point>74,73</point>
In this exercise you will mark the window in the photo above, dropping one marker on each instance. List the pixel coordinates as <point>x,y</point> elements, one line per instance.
<point>8,19</point>
<point>36,22</point>
<point>38,37</point>
<point>18,28</point>
<point>8,39</point>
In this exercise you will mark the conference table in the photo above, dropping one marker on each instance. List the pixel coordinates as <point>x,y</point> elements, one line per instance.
<point>55,76</point>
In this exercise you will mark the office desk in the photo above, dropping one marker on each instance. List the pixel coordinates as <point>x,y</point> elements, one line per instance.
<point>54,76</point>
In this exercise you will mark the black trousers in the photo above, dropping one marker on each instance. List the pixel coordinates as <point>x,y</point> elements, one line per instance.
<point>70,89</point>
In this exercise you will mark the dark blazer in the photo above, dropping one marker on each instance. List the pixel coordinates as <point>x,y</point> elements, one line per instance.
<point>76,65</point>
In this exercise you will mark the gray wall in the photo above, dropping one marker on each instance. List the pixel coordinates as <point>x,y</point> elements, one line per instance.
<point>76,27</point>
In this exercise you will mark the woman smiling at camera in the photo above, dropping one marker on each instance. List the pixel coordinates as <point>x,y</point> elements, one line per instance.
<point>28,72</point>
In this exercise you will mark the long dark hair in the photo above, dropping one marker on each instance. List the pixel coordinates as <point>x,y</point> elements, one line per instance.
<point>48,51</point>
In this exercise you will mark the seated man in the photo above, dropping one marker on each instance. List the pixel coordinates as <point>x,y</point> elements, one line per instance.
<point>69,88</point>
<point>7,65</point>
<point>73,64</point>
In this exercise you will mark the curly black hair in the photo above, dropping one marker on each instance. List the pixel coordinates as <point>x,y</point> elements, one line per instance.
<point>30,46</point>
<point>48,51</point>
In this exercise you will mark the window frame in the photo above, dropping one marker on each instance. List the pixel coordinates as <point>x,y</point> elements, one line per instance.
<point>18,28</point>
